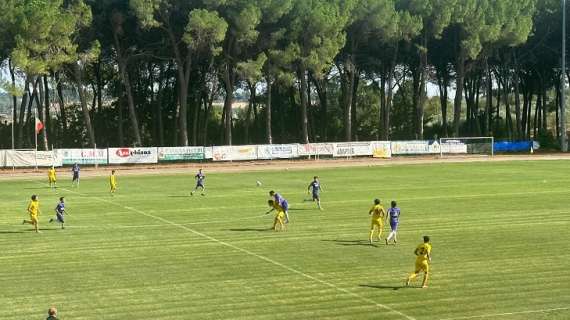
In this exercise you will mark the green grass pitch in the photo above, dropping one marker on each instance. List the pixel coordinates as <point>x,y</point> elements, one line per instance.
<point>500,234</point>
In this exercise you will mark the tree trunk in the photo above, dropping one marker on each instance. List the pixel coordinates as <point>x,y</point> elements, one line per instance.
<point>460,74</point>
<point>121,133</point>
<point>23,104</point>
<point>41,109</point>
<point>489,101</point>
<point>321,88</point>
<point>354,116</point>
<point>268,134</point>
<point>14,103</point>
<point>421,95</point>
<point>228,103</point>
<point>249,111</point>
<point>61,101</point>
<point>303,93</point>
<point>196,118</point>
<point>78,73</point>
<point>122,62</point>
<point>183,66</point>
<point>516,84</point>
<point>348,88</point>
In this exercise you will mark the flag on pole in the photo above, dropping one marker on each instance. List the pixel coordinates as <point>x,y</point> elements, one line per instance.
<point>39,126</point>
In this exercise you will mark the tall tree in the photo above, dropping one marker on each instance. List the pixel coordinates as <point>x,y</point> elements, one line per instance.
<point>187,29</point>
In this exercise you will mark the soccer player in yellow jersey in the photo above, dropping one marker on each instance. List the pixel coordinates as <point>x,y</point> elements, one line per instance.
<point>34,211</point>
<point>423,259</point>
<point>51,177</point>
<point>378,217</point>
<point>113,182</point>
<point>279,217</point>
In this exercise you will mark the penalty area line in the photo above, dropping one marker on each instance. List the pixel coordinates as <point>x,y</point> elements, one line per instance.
<point>508,314</point>
<point>253,254</point>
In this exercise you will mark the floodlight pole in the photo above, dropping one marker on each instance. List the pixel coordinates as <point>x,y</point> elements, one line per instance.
<point>563,136</point>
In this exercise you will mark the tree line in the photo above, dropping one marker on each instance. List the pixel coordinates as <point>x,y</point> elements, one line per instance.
<point>149,72</point>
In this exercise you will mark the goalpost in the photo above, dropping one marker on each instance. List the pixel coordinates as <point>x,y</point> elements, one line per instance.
<point>467,146</point>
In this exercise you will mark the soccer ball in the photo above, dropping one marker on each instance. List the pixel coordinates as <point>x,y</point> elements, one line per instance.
<point>258,183</point>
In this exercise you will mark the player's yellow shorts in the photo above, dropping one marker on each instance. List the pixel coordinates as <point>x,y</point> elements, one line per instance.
<point>422,265</point>
<point>113,186</point>
<point>51,179</point>
<point>376,223</point>
<point>34,218</point>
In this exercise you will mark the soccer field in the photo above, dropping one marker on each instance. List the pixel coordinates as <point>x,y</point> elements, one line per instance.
<point>500,235</point>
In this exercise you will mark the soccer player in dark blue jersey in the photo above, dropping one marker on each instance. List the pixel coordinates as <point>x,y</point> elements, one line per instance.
<point>316,188</point>
<point>59,213</point>
<point>75,170</point>
<point>394,214</point>
<point>200,177</point>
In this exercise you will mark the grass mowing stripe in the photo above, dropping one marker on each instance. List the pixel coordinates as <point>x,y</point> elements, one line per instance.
<point>229,245</point>
<point>508,313</point>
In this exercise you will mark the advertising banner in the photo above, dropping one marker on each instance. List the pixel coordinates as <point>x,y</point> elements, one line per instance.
<point>230,153</point>
<point>381,149</point>
<point>2,158</point>
<point>277,151</point>
<point>133,155</point>
<point>180,153</point>
<point>453,146</point>
<point>315,149</point>
<point>82,156</point>
<point>348,149</point>
<point>31,158</point>
<point>510,146</point>
<point>208,153</point>
<point>415,147</point>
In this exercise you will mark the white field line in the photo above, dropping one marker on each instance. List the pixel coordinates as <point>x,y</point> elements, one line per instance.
<point>508,314</point>
<point>261,257</point>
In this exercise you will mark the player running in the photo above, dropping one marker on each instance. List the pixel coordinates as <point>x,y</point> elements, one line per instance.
<point>316,189</point>
<point>200,177</point>
<point>113,182</point>
<point>377,223</point>
<point>34,211</point>
<point>51,177</point>
<point>394,214</point>
<point>282,202</point>
<point>75,170</point>
<point>278,221</point>
<point>59,213</point>
<point>423,259</point>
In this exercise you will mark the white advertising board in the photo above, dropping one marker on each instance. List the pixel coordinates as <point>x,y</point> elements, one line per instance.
<point>381,149</point>
<point>348,149</point>
<point>208,153</point>
<point>2,158</point>
<point>415,147</point>
<point>132,155</point>
<point>180,153</point>
<point>315,149</point>
<point>31,158</point>
<point>453,146</point>
<point>83,156</point>
<point>277,151</point>
<point>230,153</point>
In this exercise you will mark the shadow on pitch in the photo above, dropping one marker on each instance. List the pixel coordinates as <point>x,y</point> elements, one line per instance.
<point>298,209</point>
<point>251,229</point>
<point>351,242</point>
<point>13,232</point>
<point>381,286</point>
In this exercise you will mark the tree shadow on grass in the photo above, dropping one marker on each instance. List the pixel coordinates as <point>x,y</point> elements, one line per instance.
<point>251,229</point>
<point>352,243</point>
<point>382,286</point>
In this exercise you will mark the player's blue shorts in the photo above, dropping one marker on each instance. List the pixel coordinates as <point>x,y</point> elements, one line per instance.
<point>60,217</point>
<point>316,195</point>
<point>76,176</point>
<point>394,225</point>
<point>285,205</point>
<point>200,184</point>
